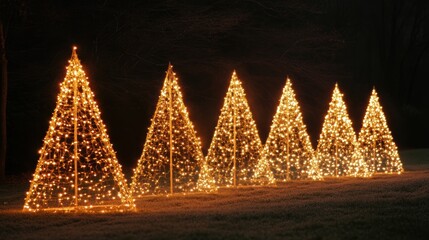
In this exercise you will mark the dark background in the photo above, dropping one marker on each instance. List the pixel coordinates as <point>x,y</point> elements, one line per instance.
<point>125,47</point>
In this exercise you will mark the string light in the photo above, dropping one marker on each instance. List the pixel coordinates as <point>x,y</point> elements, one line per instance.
<point>358,167</point>
<point>77,169</point>
<point>337,143</point>
<point>206,181</point>
<point>236,146</point>
<point>288,153</point>
<point>376,141</point>
<point>172,157</point>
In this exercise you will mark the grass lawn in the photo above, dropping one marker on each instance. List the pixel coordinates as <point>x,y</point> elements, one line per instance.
<point>381,207</point>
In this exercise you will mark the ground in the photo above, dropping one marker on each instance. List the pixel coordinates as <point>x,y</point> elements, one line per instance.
<point>381,207</point>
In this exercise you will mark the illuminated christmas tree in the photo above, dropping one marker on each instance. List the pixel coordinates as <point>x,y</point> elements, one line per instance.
<point>206,182</point>
<point>337,142</point>
<point>358,167</point>
<point>236,146</point>
<point>288,151</point>
<point>77,169</point>
<point>172,155</point>
<point>376,142</point>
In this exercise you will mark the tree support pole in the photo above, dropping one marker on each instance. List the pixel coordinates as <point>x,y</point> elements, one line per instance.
<point>75,156</point>
<point>171,129</point>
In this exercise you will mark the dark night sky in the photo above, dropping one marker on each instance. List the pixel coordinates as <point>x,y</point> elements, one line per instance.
<point>125,47</point>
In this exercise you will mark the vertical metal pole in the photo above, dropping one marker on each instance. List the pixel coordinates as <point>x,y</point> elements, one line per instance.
<point>171,129</point>
<point>235,136</point>
<point>235,149</point>
<point>336,159</point>
<point>75,156</point>
<point>287,144</point>
<point>287,157</point>
<point>375,154</point>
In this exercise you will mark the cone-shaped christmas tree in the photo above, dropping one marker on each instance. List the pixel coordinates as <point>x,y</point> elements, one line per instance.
<point>172,155</point>
<point>206,182</point>
<point>288,151</point>
<point>337,141</point>
<point>236,146</point>
<point>376,142</point>
<point>358,167</point>
<point>77,169</point>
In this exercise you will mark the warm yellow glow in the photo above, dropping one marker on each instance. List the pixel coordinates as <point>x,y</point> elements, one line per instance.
<point>206,181</point>
<point>236,146</point>
<point>376,142</point>
<point>337,143</point>
<point>288,153</point>
<point>77,169</point>
<point>172,158</point>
